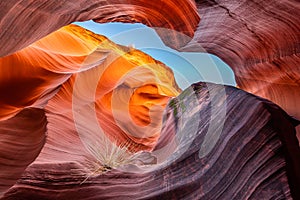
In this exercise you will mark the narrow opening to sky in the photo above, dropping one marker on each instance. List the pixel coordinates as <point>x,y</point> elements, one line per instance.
<point>188,68</point>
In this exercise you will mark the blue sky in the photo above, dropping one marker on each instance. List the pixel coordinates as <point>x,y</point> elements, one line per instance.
<point>188,67</point>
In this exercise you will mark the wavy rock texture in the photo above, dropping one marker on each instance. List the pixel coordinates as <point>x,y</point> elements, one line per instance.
<point>138,91</point>
<point>140,85</point>
<point>254,156</point>
<point>75,76</point>
<point>253,45</point>
<point>24,82</point>
<point>260,41</point>
<point>220,152</point>
<point>20,27</point>
<point>21,140</point>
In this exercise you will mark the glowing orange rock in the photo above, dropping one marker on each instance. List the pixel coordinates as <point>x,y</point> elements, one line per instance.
<point>26,81</point>
<point>122,80</point>
<point>74,75</point>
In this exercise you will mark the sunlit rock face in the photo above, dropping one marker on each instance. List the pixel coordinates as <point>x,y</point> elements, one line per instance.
<point>124,98</point>
<point>239,156</point>
<point>260,41</point>
<point>92,91</point>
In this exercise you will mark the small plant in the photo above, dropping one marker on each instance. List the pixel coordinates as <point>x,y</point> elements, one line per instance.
<point>177,104</point>
<point>109,156</point>
<point>173,104</point>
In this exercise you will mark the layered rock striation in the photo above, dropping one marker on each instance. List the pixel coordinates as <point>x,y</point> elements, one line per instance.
<point>84,118</point>
<point>241,156</point>
<point>24,22</point>
<point>260,41</point>
<point>255,38</point>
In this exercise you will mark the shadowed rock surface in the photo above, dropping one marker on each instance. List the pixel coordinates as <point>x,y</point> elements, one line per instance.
<point>253,155</point>
<point>21,139</point>
<point>260,41</point>
<point>23,22</point>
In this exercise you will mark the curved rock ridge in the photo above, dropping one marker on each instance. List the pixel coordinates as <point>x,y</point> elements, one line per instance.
<point>260,41</point>
<point>140,89</point>
<point>49,62</point>
<point>128,101</point>
<point>29,85</point>
<point>20,27</point>
<point>21,140</point>
<point>253,155</point>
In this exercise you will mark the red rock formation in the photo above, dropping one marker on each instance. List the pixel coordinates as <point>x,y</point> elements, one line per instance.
<point>253,156</point>
<point>260,41</point>
<point>24,81</point>
<point>48,63</point>
<point>21,140</point>
<point>24,22</point>
<point>261,48</point>
<point>254,45</point>
<point>86,66</point>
